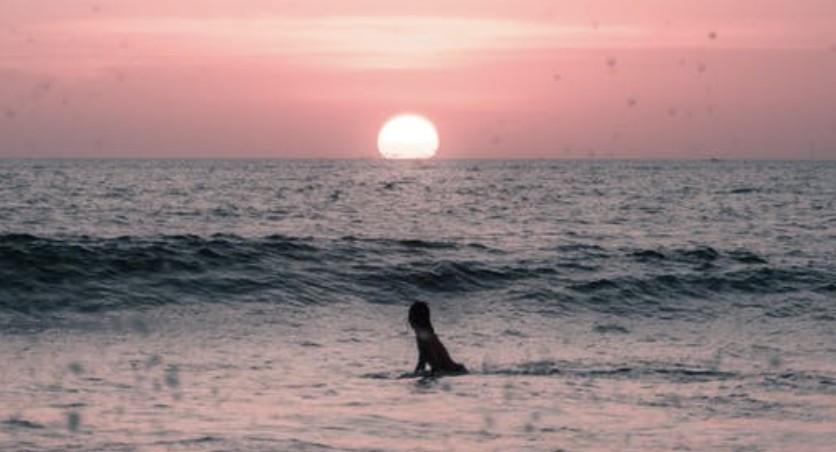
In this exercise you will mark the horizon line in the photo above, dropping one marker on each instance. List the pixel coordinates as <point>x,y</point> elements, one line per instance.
<point>449,159</point>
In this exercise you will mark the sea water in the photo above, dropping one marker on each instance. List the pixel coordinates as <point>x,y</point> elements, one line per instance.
<point>261,305</point>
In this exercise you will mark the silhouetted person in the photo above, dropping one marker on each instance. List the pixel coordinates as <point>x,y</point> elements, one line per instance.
<point>430,349</point>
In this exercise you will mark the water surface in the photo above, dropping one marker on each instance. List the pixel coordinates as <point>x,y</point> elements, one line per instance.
<point>260,305</point>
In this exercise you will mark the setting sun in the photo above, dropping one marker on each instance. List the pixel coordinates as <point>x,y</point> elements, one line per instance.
<point>407,136</point>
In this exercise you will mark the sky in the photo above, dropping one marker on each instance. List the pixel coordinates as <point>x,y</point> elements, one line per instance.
<point>500,79</point>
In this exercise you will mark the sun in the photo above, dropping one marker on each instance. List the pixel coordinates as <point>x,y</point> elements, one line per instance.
<point>407,136</point>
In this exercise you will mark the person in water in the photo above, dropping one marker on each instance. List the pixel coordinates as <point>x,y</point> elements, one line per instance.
<point>430,349</point>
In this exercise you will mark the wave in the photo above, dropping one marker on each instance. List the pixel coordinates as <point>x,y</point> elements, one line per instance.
<point>90,274</point>
<point>702,255</point>
<point>675,372</point>
<point>762,280</point>
<point>19,423</point>
<point>670,372</point>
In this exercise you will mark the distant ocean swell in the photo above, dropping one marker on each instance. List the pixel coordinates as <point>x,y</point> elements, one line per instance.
<point>88,274</point>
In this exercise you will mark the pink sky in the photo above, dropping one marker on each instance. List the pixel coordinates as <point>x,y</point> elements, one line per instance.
<point>501,79</point>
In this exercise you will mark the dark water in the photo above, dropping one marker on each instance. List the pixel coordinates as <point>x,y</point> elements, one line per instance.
<point>641,280</point>
<point>628,238</point>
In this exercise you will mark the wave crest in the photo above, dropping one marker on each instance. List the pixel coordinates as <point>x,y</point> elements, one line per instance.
<point>89,274</point>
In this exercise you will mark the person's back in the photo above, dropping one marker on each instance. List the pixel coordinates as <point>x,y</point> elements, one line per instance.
<point>430,349</point>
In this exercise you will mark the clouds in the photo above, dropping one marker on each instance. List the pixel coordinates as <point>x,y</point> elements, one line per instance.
<point>383,34</point>
<point>349,41</point>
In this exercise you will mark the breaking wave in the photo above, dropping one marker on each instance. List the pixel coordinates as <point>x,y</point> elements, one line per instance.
<point>89,274</point>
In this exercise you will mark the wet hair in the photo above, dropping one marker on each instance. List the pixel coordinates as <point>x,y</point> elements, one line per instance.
<point>419,316</point>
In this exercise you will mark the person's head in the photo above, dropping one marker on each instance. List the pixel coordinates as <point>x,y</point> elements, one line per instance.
<point>419,316</point>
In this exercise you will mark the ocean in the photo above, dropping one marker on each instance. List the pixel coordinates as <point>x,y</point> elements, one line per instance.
<point>261,305</point>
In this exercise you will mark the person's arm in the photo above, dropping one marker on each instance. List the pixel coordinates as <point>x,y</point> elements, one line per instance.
<point>422,359</point>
